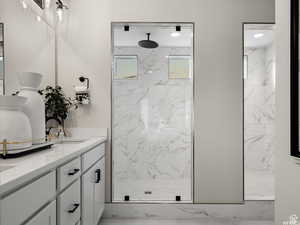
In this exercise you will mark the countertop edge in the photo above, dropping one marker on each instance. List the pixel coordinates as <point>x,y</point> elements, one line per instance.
<point>15,184</point>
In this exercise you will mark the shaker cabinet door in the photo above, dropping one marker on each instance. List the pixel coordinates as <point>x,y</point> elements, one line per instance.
<point>99,198</point>
<point>46,217</point>
<point>88,180</point>
<point>93,194</point>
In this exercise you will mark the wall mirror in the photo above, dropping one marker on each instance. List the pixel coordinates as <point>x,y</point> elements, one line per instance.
<point>295,78</point>
<point>28,42</point>
<point>1,59</point>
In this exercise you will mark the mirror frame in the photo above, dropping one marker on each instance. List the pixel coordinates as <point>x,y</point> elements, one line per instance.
<point>294,80</point>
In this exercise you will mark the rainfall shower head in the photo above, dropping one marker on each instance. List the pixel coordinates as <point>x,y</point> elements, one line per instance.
<point>148,43</point>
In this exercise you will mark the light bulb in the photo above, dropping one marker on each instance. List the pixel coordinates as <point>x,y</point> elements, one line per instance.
<point>60,13</point>
<point>258,35</point>
<point>24,4</point>
<point>38,18</point>
<point>175,34</point>
<point>47,4</point>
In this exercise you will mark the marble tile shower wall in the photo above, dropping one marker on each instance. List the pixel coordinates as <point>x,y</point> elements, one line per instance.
<point>259,101</point>
<point>152,129</point>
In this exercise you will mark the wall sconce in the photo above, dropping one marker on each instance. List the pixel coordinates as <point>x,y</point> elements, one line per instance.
<point>60,9</point>
<point>177,32</point>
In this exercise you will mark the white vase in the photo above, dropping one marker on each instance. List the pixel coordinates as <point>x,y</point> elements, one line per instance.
<point>15,125</point>
<point>34,107</point>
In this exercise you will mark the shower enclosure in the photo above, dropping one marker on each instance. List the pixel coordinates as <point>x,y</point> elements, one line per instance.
<point>152,112</point>
<point>259,111</point>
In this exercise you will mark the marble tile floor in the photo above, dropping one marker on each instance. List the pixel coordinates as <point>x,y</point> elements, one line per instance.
<point>259,185</point>
<point>202,221</point>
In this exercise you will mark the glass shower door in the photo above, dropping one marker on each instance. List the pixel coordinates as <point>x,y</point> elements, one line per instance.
<point>152,102</point>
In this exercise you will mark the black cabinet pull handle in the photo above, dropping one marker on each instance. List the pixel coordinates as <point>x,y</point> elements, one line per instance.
<point>98,176</point>
<point>73,172</point>
<point>75,207</point>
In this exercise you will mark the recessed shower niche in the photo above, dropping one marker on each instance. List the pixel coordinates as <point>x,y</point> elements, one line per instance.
<point>152,112</point>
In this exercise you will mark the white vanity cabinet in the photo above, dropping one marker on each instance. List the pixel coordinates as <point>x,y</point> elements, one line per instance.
<point>71,193</point>
<point>46,217</point>
<point>20,205</point>
<point>93,193</point>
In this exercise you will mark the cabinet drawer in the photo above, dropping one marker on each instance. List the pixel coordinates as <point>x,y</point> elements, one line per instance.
<point>69,205</point>
<point>20,205</point>
<point>68,173</point>
<point>89,158</point>
<point>46,217</point>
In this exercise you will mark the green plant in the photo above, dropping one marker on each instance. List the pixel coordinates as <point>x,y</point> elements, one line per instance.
<point>57,104</point>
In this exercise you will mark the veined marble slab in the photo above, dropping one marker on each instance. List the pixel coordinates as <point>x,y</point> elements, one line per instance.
<point>251,210</point>
<point>259,103</point>
<point>152,129</point>
<point>184,222</point>
<point>259,123</point>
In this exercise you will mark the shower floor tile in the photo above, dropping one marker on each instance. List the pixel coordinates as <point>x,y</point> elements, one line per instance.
<point>183,222</point>
<point>162,190</point>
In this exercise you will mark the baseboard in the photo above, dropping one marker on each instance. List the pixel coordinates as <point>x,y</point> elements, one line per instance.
<point>251,210</point>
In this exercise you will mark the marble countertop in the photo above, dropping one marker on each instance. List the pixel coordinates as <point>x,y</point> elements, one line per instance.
<point>16,172</point>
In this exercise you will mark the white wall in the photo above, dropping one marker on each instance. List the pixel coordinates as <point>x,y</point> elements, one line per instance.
<point>286,170</point>
<point>84,48</point>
